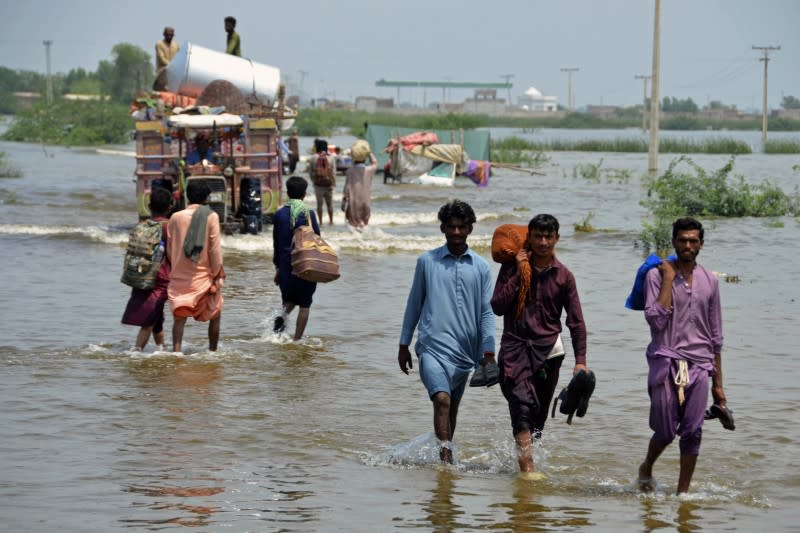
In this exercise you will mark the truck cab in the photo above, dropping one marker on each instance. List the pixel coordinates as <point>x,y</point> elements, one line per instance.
<point>237,156</point>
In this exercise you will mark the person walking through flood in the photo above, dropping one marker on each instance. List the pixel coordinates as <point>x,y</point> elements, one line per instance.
<point>682,308</point>
<point>449,302</point>
<point>294,151</point>
<point>295,292</point>
<point>165,51</point>
<point>531,351</point>
<point>233,43</point>
<point>357,196</point>
<point>322,173</point>
<point>197,275</point>
<point>146,307</point>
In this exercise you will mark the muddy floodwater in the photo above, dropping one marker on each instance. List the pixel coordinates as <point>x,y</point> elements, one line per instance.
<point>327,434</point>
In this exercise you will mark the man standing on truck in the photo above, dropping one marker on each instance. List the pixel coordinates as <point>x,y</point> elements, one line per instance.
<point>234,43</point>
<point>165,51</point>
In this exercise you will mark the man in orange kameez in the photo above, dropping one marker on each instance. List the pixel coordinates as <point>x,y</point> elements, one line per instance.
<point>195,253</point>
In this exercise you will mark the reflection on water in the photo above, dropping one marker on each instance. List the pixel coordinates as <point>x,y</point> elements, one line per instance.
<point>678,514</point>
<point>182,391</point>
<point>441,511</point>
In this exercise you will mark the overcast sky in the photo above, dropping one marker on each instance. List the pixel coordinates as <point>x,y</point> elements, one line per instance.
<point>343,47</point>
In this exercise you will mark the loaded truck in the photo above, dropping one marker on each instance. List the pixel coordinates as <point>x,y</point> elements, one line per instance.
<point>206,128</point>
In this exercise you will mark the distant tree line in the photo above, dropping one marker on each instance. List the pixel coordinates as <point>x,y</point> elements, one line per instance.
<point>129,71</point>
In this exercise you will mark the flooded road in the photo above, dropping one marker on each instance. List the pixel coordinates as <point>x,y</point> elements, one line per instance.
<point>328,434</point>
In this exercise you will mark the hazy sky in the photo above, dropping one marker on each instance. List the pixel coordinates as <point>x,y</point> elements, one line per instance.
<point>345,46</point>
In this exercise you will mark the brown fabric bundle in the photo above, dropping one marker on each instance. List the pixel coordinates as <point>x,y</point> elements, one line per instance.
<point>507,240</point>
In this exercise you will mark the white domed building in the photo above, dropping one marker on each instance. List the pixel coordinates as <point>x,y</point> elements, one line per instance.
<point>534,100</point>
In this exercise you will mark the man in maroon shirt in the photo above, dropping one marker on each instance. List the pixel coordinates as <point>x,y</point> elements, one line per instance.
<point>531,351</point>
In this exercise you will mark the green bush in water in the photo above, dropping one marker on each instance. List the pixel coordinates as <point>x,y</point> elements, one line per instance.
<point>782,146</point>
<point>72,124</point>
<point>675,193</point>
<point>7,170</point>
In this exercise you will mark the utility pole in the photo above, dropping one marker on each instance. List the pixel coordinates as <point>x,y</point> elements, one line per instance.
<point>644,100</point>
<point>508,81</point>
<point>49,77</point>
<point>652,155</point>
<point>569,72</point>
<point>302,83</point>
<point>764,112</point>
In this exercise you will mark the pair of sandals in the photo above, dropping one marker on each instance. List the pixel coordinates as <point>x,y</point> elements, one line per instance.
<point>724,415</point>
<point>486,375</point>
<point>575,396</point>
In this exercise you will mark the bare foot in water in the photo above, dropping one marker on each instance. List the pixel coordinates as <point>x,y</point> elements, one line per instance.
<point>532,476</point>
<point>645,479</point>
<point>525,463</point>
<point>446,455</point>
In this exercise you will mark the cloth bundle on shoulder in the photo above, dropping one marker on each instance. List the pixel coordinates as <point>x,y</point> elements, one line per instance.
<point>507,241</point>
<point>635,299</point>
<point>360,150</point>
<point>313,259</point>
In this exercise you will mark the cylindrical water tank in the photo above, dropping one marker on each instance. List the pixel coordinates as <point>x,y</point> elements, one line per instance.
<point>194,67</point>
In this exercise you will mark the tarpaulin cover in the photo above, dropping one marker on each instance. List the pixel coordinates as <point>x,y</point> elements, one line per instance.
<point>476,142</point>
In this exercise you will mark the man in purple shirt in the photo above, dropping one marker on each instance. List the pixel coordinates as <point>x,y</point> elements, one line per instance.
<point>682,308</point>
<point>531,351</point>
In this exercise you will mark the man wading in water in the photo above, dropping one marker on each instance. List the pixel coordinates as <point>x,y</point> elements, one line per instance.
<point>682,308</point>
<point>449,299</point>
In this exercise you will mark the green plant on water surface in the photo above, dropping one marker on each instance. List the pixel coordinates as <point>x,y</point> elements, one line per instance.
<point>8,197</point>
<point>512,157</point>
<point>541,158</point>
<point>618,175</point>
<point>698,193</point>
<point>657,236</point>
<point>71,124</point>
<point>7,170</point>
<point>584,226</point>
<point>588,171</point>
<point>782,146</point>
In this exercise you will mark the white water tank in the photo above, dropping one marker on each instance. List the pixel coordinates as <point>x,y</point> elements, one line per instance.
<point>194,67</point>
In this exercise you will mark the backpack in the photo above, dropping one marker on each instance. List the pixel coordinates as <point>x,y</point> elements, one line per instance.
<point>144,255</point>
<point>322,177</point>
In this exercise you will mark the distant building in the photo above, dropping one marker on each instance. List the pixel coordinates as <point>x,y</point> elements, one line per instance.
<point>602,111</point>
<point>793,114</point>
<point>485,102</point>
<point>371,104</point>
<point>534,100</point>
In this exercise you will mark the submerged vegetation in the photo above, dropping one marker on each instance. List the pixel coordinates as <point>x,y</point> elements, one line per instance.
<point>7,170</point>
<point>677,193</point>
<point>782,146</point>
<point>626,144</point>
<point>584,226</point>
<point>71,124</point>
<point>699,193</point>
<point>595,172</point>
